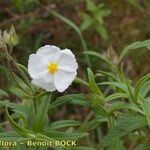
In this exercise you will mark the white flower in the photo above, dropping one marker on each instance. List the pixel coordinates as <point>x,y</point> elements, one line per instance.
<point>52,69</point>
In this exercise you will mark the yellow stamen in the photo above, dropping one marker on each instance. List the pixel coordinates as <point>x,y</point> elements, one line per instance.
<point>52,68</point>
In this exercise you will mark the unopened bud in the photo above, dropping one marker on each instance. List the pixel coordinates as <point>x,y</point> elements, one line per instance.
<point>111,55</point>
<point>11,38</point>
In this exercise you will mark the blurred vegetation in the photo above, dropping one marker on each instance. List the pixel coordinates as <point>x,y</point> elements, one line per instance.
<point>103,24</point>
<point>113,22</point>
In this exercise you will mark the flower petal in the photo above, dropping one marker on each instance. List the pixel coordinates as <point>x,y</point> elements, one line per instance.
<point>36,65</point>
<point>67,61</point>
<point>48,86</point>
<point>63,79</point>
<point>49,52</point>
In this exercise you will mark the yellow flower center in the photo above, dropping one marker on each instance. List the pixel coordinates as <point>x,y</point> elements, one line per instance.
<point>52,68</point>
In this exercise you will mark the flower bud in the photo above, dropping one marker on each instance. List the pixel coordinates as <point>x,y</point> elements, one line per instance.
<point>111,55</point>
<point>11,38</point>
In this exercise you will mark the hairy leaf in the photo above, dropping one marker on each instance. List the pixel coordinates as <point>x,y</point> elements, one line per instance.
<point>78,99</point>
<point>117,96</point>
<point>64,124</point>
<point>140,83</point>
<point>64,135</point>
<point>126,124</point>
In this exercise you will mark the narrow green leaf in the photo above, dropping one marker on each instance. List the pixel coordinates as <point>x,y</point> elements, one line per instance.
<point>101,30</point>
<point>145,89</point>
<point>80,81</point>
<point>93,86</point>
<point>107,74</point>
<point>117,145</point>
<point>133,46</point>
<point>99,109</point>
<point>22,131</point>
<point>117,96</point>
<point>64,124</point>
<point>64,135</point>
<point>71,98</point>
<point>14,106</point>
<point>91,6</point>
<point>98,55</point>
<point>140,83</point>
<point>11,136</point>
<point>3,93</point>
<point>124,105</point>
<point>94,123</point>
<point>41,115</point>
<point>146,109</point>
<point>126,124</point>
<point>87,22</point>
<point>119,85</point>
<point>19,93</point>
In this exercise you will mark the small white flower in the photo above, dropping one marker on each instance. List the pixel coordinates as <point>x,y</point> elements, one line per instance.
<point>52,69</point>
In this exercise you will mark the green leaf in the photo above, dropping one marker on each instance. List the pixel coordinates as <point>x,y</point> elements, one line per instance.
<point>22,131</point>
<point>80,81</point>
<point>93,86</point>
<point>17,107</point>
<point>133,46</point>
<point>107,74</point>
<point>124,105</point>
<point>80,102</point>
<point>101,30</point>
<point>146,109</point>
<point>145,89</point>
<point>98,55</point>
<point>87,22</point>
<point>116,145</point>
<point>94,123</point>
<point>64,135</point>
<point>20,93</point>
<point>3,93</point>
<point>117,96</point>
<point>25,132</point>
<point>96,98</point>
<point>99,109</point>
<point>25,69</point>
<point>71,98</point>
<point>119,85</point>
<point>91,6</point>
<point>126,124</point>
<point>41,115</point>
<point>64,124</point>
<point>140,83</point>
<point>11,136</point>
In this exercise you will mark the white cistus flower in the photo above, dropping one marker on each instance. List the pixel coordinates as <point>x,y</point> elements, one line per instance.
<point>52,68</point>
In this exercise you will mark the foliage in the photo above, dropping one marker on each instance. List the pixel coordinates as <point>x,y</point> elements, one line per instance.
<point>95,18</point>
<point>117,107</point>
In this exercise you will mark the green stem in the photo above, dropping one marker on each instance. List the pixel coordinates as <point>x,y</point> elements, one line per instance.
<point>11,72</point>
<point>20,71</point>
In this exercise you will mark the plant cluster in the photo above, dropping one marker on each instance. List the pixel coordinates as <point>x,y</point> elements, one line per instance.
<point>119,109</point>
<point>84,99</point>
